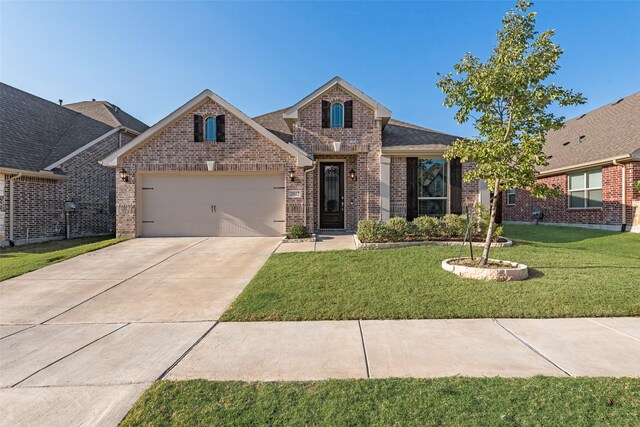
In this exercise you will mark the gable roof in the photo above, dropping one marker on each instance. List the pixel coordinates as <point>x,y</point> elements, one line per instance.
<point>108,113</point>
<point>604,134</point>
<point>291,114</point>
<point>298,153</point>
<point>36,132</point>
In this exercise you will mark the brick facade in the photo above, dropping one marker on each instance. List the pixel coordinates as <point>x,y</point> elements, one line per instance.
<point>174,149</point>
<point>361,150</point>
<point>39,202</point>
<point>557,210</point>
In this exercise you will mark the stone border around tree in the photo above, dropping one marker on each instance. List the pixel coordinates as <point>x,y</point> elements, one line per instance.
<point>392,245</point>
<point>308,239</point>
<point>515,272</point>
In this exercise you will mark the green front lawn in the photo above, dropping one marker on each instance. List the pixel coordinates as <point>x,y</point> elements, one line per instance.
<point>22,259</point>
<point>575,272</point>
<point>539,401</point>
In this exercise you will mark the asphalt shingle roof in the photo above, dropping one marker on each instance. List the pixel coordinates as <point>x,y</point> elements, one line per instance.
<point>35,133</point>
<point>610,131</point>
<point>108,113</point>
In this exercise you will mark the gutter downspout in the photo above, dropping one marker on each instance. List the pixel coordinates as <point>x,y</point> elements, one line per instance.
<point>624,194</point>
<point>304,207</point>
<point>11,204</point>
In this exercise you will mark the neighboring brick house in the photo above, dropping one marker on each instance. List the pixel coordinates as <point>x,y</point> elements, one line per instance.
<point>329,161</point>
<point>49,155</point>
<point>594,159</point>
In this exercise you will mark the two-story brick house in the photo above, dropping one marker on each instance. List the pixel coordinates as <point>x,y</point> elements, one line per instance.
<point>332,159</point>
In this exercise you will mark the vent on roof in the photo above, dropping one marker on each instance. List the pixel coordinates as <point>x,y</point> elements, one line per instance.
<point>60,101</point>
<point>618,101</point>
<point>581,138</point>
<point>566,143</point>
<point>581,116</point>
<point>550,157</point>
<point>115,108</point>
<point>93,99</point>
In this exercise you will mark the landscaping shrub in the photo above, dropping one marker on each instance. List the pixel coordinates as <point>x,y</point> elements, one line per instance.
<point>398,229</point>
<point>427,226</point>
<point>371,231</point>
<point>298,231</point>
<point>454,225</point>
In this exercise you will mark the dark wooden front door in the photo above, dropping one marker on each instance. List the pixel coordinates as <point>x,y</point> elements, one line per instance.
<point>332,195</point>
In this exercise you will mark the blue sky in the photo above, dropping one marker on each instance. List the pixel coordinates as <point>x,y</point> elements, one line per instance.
<point>149,58</point>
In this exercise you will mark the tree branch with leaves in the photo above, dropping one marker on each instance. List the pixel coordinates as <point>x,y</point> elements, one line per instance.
<point>508,97</point>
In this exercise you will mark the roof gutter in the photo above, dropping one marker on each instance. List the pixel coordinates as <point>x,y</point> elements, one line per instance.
<point>412,152</point>
<point>612,160</point>
<point>35,174</point>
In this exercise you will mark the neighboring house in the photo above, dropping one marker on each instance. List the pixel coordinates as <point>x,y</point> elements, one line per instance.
<point>49,155</point>
<point>594,159</point>
<point>330,160</point>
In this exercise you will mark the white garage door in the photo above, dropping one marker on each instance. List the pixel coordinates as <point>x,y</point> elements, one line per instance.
<point>213,205</point>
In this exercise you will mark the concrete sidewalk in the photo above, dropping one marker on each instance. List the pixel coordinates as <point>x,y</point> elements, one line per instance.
<point>273,351</point>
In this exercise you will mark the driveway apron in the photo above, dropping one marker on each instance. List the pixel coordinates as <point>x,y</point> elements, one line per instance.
<point>82,339</point>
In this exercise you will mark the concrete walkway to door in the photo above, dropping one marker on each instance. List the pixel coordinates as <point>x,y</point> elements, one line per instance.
<point>82,339</point>
<point>324,242</point>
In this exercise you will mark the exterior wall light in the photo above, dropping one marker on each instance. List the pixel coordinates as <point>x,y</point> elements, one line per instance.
<point>292,174</point>
<point>352,175</point>
<point>124,175</point>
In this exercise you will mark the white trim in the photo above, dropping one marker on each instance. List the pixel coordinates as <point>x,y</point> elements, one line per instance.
<point>113,159</point>
<point>381,112</point>
<point>628,157</point>
<point>344,195</point>
<point>385,188</point>
<point>433,154</point>
<point>584,190</point>
<point>89,145</point>
<point>34,174</point>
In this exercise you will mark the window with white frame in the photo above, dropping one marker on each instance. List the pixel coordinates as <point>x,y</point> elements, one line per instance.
<point>511,196</point>
<point>433,186</point>
<point>585,189</point>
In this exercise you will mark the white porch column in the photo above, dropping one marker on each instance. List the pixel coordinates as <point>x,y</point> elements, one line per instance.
<point>385,188</point>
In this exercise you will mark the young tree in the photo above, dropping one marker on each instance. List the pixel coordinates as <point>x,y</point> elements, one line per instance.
<point>508,97</point>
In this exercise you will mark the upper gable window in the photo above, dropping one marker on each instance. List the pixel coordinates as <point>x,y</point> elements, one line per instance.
<point>210,129</point>
<point>337,115</point>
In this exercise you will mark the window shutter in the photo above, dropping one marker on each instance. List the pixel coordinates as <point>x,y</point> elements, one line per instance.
<point>197,128</point>
<point>220,128</point>
<point>456,186</point>
<point>412,188</point>
<point>326,114</point>
<point>348,114</point>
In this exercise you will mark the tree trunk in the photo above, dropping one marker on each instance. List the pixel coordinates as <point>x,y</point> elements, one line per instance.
<point>492,223</point>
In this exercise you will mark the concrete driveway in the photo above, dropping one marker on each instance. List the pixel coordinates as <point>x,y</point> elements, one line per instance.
<point>82,339</point>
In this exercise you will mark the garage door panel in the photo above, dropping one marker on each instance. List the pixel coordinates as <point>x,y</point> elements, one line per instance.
<point>213,205</point>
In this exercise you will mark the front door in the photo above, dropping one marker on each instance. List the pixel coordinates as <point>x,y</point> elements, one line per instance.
<point>332,195</point>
